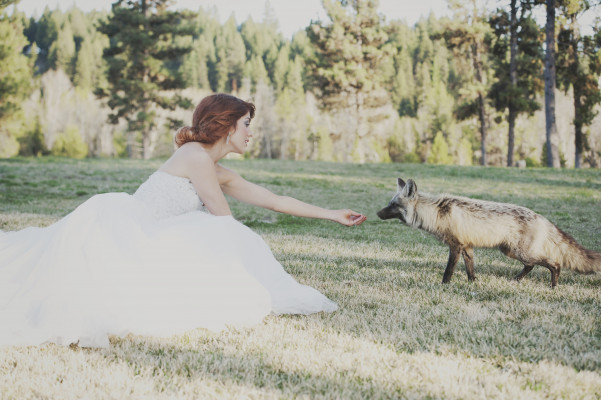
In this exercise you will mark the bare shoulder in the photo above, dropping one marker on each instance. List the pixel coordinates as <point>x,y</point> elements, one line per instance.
<point>187,160</point>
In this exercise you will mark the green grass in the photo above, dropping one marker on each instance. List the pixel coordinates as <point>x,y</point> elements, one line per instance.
<point>399,332</point>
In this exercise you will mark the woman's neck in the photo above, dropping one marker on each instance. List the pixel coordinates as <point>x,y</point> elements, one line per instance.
<point>216,151</point>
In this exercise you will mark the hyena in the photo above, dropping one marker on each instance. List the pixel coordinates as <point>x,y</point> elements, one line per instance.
<point>464,223</point>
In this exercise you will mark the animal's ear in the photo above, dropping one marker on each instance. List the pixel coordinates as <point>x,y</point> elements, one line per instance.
<point>410,189</point>
<point>400,184</point>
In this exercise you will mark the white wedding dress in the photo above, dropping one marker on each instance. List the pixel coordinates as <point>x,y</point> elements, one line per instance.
<point>153,263</point>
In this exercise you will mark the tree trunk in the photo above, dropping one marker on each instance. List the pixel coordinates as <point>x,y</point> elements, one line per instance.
<point>146,143</point>
<point>579,136</point>
<point>145,126</point>
<point>359,136</point>
<point>129,147</point>
<point>513,77</point>
<point>482,118</point>
<point>481,102</point>
<point>577,86</point>
<point>551,127</point>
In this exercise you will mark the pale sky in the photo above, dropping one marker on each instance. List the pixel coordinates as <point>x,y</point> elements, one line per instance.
<point>292,15</point>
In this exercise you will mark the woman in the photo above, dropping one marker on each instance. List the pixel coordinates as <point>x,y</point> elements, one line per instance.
<point>168,259</point>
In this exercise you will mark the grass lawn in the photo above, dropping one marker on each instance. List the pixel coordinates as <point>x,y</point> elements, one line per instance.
<point>399,333</point>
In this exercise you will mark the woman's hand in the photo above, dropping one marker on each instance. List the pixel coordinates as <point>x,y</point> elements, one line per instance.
<point>348,217</point>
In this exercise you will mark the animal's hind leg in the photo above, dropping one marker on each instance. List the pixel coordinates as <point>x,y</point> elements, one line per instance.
<point>525,271</point>
<point>555,269</point>
<point>527,264</point>
<point>454,252</point>
<point>468,259</point>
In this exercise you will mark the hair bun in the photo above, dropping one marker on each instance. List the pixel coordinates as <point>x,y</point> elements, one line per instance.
<point>185,134</point>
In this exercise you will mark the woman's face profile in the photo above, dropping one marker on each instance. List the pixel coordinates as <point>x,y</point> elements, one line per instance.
<point>241,136</point>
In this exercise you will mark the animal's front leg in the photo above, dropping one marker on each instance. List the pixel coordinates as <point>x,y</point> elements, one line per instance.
<point>454,252</point>
<point>468,259</point>
<point>555,276</point>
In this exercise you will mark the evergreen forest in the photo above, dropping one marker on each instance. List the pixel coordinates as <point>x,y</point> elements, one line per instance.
<point>503,83</point>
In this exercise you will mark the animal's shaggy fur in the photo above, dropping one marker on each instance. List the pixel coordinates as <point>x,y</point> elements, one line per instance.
<point>465,224</point>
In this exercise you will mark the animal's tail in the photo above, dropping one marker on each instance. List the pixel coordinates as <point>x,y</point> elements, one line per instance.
<point>576,257</point>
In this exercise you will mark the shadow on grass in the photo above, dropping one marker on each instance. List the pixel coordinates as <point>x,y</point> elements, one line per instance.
<point>249,369</point>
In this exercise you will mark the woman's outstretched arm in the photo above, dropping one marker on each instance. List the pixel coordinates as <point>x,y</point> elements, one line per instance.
<point>234,185</point>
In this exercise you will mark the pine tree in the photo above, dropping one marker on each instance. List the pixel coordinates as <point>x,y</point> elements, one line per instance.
<point>263,44</point>
<point>98,43</point>
<point>550,83</point>
<point>402,85</point>
<point>15,78</point>
<point>294,123</point>
<point>255,70</point>
<point>231,56</point>
<point>579,67</point>
<point>198,66</point>
<point>294,80</point>
<point>344,74</point>
<point>30,30</point>
<point>467,35</point>
<point>80,26</point>
<point>517,60</point>
<point>195,65</point>
<point>45,35</point>
<point>84,66</point>
<point>141,36</point>
<point>282,66</point>
<point>302,49</point>
<point>221,69</point>
<point>62,51</point>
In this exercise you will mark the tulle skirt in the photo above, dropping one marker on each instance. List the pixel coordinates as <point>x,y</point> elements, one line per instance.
<point>110,267</point>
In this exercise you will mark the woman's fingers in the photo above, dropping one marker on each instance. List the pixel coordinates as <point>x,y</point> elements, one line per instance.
<point>356,218</point>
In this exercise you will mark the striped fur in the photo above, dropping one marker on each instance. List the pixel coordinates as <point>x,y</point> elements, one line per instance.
<point>465,224</point>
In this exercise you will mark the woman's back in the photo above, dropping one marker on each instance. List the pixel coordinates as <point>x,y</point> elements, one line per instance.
<point>168,195</point>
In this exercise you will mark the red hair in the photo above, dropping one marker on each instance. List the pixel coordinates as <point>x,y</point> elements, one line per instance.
<point>213,118</point>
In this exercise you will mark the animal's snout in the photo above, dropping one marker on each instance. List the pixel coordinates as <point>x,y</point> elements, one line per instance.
<point>383,213</point>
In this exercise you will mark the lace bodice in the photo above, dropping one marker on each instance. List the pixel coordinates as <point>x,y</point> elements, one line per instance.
<point>169,195</point>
